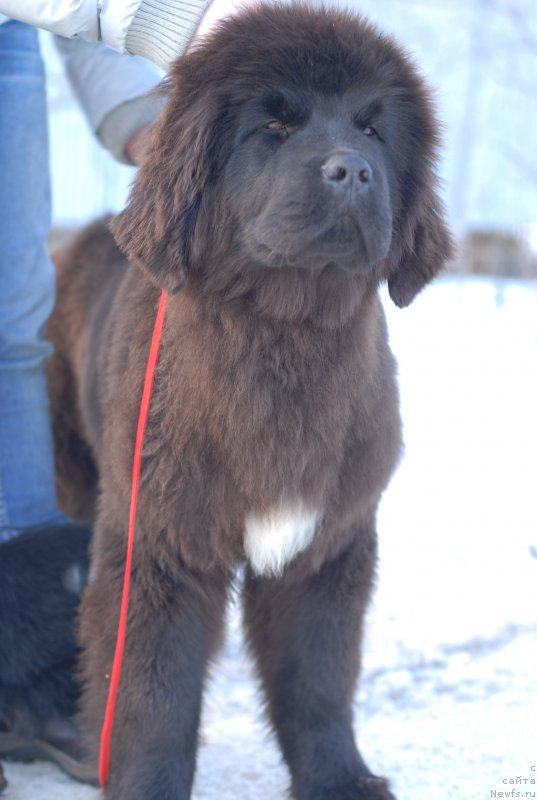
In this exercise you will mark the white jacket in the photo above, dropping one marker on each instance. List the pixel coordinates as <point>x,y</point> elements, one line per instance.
<point>157,29</point>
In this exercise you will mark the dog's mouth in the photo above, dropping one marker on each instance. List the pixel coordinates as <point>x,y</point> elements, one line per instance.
<point>344,235</point>
<point>341,243</point>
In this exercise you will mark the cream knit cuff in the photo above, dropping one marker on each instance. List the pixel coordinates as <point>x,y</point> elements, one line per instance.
<point>162,29</point>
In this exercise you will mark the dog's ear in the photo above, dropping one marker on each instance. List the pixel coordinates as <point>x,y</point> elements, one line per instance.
<point>157,228</point>
<point>424,249</point>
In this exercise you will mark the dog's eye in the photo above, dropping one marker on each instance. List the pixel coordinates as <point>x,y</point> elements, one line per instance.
<point>276,125</point>
<point>360,120</point>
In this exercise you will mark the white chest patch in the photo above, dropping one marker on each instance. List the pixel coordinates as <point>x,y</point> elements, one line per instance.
<point>273,539</point>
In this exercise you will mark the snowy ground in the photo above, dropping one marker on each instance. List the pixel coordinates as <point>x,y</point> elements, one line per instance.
<point>448,702</point>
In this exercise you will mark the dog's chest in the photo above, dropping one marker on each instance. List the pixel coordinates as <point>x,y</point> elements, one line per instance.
<point>282,456</point>
<point>269,412</point>
<point>274,538</point>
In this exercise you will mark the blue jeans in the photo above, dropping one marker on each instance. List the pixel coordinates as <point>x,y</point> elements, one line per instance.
<point>27,488</point>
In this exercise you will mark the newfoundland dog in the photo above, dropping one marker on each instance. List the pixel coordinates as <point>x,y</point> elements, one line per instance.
<point>292,171</point>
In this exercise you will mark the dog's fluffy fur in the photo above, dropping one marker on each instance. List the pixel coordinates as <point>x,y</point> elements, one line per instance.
<point>42,574</point>
<point>291,172</point>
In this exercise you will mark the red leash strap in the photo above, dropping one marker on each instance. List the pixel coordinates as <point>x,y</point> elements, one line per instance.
<point>108,725</point>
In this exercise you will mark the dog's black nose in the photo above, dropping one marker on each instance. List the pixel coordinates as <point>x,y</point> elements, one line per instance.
<point>344,170</point>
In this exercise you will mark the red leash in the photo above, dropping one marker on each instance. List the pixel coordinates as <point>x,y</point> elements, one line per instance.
<point>108,725</point>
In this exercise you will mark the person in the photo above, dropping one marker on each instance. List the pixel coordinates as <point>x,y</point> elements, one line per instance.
<point>156,29</point>
<point>43,559</point>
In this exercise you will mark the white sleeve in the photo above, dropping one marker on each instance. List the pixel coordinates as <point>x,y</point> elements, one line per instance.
<point>160,30</point>
<point>113,90</point>
<point>93,20</point>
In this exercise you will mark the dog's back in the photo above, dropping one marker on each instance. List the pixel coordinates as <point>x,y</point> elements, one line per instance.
<point>85,265</point>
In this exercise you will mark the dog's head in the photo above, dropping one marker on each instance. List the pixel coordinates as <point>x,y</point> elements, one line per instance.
<point>293,140</point>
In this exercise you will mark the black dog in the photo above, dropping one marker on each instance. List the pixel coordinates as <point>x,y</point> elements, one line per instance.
<point>42,574</point>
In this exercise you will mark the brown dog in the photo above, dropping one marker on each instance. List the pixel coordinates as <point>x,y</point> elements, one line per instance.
<point>291,172</point>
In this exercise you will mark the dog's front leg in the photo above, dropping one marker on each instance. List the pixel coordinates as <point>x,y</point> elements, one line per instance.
<point>175,619</point>
<point>305,633</point>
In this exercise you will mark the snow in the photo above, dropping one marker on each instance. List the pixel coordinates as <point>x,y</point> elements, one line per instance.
<point>447,706</point>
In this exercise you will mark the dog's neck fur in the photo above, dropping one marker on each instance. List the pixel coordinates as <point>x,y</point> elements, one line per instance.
<point>326,298</point>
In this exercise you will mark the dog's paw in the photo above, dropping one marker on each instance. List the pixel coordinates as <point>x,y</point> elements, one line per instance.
<point>371,788</point>
<point>368,788</point>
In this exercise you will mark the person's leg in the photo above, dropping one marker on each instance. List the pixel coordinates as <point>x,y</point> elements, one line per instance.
<point>27,488</point>
<point>43,561</point>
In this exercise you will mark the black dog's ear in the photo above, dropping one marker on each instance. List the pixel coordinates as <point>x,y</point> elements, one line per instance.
<point>425,250</point>
<point>157,228</point>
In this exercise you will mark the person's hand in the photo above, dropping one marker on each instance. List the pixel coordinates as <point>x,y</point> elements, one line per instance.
<point>138,145</point>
